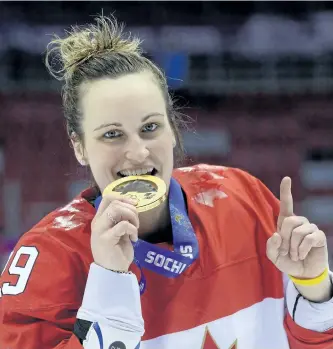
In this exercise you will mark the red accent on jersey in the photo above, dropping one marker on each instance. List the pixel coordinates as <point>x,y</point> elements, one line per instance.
<point>209,342</point>
<point>301,338</point>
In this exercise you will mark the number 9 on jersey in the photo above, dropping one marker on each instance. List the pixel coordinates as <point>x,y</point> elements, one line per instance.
<point>22,272</point>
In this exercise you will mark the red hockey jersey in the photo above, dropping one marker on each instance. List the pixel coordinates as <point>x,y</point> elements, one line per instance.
<point>231,297</point>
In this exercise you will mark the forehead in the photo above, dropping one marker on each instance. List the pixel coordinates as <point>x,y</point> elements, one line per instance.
<point>129,95</point>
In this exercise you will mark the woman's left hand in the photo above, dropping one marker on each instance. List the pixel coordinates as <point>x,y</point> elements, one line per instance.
<point>298,248</point>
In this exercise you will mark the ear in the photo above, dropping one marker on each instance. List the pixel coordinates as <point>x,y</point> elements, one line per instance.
<point>79,150</point>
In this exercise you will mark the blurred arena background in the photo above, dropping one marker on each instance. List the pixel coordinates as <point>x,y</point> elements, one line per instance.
<point>257,78</point>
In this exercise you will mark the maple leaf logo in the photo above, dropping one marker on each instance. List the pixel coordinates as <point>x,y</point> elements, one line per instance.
<point>209,342</point>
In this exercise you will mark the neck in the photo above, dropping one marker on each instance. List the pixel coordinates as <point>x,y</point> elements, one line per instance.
<point>154,220</point>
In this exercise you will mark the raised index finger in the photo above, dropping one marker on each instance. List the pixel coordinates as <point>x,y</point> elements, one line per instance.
<point>286,198</point>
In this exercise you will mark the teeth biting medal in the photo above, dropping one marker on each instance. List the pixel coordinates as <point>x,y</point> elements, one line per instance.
<point>149,191</point>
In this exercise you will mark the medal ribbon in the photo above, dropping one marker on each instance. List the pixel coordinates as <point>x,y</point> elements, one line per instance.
<point>186,248</point>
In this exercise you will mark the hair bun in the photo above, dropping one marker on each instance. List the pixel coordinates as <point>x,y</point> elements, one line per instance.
<point>65,55</point>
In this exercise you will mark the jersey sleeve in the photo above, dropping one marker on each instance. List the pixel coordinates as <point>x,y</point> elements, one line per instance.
<point>41,291</point>
<point>318,333</point>
<point>45,292</point>
<point>112,302</point>
<point>302,338</point>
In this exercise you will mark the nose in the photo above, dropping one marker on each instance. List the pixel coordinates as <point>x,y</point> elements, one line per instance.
<point>136,150</point>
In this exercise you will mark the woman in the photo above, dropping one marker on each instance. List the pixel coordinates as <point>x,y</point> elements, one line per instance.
<point>71,283</point>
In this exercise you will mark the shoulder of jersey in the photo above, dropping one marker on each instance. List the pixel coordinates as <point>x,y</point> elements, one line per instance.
<point>63,222</point>
<point>214,174</point>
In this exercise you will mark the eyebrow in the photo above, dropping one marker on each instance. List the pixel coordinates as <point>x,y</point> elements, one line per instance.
<point>117,124</point>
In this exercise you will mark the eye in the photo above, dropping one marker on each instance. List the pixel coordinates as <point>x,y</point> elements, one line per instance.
<point>112,134</point>
<point>151,127</point>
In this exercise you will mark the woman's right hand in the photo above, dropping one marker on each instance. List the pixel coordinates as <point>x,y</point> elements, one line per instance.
<point>113,229</point>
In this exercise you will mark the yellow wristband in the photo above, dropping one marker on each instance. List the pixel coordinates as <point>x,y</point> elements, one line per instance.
<point>310,282</point>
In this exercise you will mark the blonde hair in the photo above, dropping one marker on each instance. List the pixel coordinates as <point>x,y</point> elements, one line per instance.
<point>97,51</point>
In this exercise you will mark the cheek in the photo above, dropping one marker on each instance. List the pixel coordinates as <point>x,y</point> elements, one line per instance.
<point>163,153</point>
<point>163,148</point>
<point>102,155</point>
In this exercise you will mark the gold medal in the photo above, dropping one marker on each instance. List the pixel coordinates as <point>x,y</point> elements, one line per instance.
<point>149,191</point>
